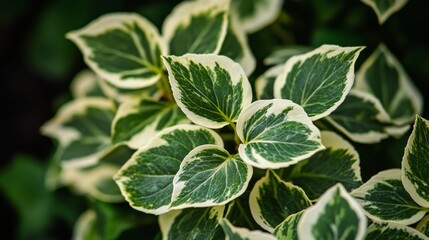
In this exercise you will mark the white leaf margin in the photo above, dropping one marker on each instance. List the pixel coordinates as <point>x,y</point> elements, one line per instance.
<point>397,226</point>
<point>245,233</point>
<point>382,17</point>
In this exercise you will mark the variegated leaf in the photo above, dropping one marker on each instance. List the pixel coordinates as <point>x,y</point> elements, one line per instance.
<point>272,200</point>
<point>138,120</point>
<point>123,48</point>
<point>264,84</point>
<point>338,163</point>
<point>238,212</point>
<point>84,227</point>
<point>393,231</point>
<point>318,80</point>
<point>336,215</point>
<point>385,8</point>
<point>192,223</point>
<point>82,128</point>
<point>209,176</point>
<point>236,233</point>
<point>287,230</point>
<point>360,117</point>
<point>281,55</point>
<point>276,133</point>
<point>157,163</point>
<point>85,84</point>
<point>254,15</point>
<point>383,76</point>
<point>423,226</point>
<point>384,199</point>
<point>211,90</point>
<point>196,27</point>
<point>415,163</point>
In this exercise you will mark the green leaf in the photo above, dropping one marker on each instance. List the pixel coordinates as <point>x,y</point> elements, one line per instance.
<point>336,215</point>
<point>338,163</point>
<point>157,163</point>
<point>393,231</point>
<point>236,233</point>
<point>238,212</point>
<point>318,80</point>
<point>123,48</point>
<point>383,76</point>
<point>192,223</point>
<point>209,176</point>
<point>211,90</point>
<point>415,163</point>
<point>272,200</point>
<point>196,27</point>
<point>423,226</point>
<point>82,128</point>
<point>264,84</point>
<point>235,46</point>
<point>385,8</point>
<point>281,55</point>
<point>360,117</point>
<point>85,84</point>
<point>254,15</point>
<point>384,199</point>
<point>138,120</point>
<point>287,230</point>
<point>276,133</point>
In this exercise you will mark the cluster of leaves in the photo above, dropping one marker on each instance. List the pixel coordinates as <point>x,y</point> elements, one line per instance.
<point>171,124</point>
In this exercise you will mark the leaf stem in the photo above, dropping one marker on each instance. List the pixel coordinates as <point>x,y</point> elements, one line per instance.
<point>164,85</point>
<point>236,138</point>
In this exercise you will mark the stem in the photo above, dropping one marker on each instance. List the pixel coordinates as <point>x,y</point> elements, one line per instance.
<point>164,85</point>
<point>236,138</point>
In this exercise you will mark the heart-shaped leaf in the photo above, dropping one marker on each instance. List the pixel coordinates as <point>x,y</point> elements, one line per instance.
<point>384,9</point>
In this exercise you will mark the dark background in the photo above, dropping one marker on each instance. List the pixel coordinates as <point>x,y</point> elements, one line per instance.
<point>37,64</point>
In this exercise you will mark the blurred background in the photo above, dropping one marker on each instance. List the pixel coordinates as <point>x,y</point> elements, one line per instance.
<point>37,64</point>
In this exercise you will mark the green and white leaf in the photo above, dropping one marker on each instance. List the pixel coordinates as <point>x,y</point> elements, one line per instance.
<point>415,163</point>
<point>138,120</point>
<point>384,199</point>
<point>192,223</point>
<point>272,200</point>
<point>235,46</point>
<point>287,230</point>
<point>281,55</point>
<point>85,226</point>
<point>276,133</point>
<point>122,48</point>
<point>254,15</point>
<point>385,8</point>
<point>157,163</point>
<point>209,176</point>
<point>82,128</point>
<point>338,163</point>
<point>196,27</point>
<point>211,90</point>
<point>236,233</point>
<point>264,84</point>
<point>318,80</point>
<point>361,118</point>
<point>238,212</point>
<point>423,226</point>
<point>336,215</point>
<point>85,84</point>
<point>383,76</point>
<point>393,231</point>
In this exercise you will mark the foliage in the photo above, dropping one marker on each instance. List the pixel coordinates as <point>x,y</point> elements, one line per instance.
<point>186,133</point>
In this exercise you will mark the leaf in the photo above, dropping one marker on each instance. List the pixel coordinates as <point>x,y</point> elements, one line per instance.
<point>287,230</point>
<point>85,84</point>
<point>393,231</point>
<point>209,176</point>
<point>82,128</point>
<point>157,163</point>
<point>138,120</point>
<point>196,27</point>
<point>276,133</point>
<point>272,200</point>
<point>235,46</point>
<point>281,55</point>
<point>384,199</point>
<point>254,15</point>
<point>264,84</point>
<point>423,226</point>
<point>123,48</point>
<point>192,223</point>
<point>238,212</point>
<point>383,76</point>
<point>237,233</point>
<point>211,90</point>
<point>338,163</point>
<point>85,226</point>
<point>415,163</point>
<point>335,216</point>
<point>360,117</point>
<point>318,80</point>
<point>385,8</point>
